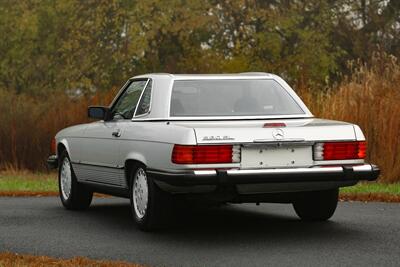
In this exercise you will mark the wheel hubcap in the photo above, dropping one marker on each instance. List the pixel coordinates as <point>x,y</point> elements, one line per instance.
<point>66,178</point>
<point>140,193</point>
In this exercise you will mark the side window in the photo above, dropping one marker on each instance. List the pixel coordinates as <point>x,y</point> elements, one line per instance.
<point>126,105</point>
<point>144,104</point>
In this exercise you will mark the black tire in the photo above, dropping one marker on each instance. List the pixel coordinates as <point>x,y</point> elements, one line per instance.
<point>159,203</point>
<point>317,205</point>
<point>79,197</point>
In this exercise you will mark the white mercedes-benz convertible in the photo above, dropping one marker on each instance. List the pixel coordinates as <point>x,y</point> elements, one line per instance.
<point>234,138</point>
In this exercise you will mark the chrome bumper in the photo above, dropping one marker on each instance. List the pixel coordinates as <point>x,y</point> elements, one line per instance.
<point>344,173</point>
<point>52,162</point>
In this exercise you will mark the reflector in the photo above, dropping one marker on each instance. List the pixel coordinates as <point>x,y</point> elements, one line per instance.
<point>204,154</point>
<point>274,124</point>
<point>53,146</point>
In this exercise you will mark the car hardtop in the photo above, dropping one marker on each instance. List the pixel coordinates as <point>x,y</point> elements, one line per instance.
<point>243,75</point>
<point>162,84</point>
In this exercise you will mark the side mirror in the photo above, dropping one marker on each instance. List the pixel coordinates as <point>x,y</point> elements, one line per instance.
<point>98,112</point>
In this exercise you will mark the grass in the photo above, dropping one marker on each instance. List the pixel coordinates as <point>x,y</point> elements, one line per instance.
<point>24,181</point>
<point>373,188</point>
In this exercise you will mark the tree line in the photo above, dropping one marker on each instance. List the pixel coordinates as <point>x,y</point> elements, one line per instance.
<point>85,46</point>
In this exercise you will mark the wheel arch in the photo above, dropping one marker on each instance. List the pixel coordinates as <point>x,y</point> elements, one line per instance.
<point>62,145</point>
<point>130,164</point>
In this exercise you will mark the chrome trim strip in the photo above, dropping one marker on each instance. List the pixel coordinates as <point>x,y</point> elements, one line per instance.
<point>286,171</point>
<point>140,98</point>
<point>228,118</point>
<point>205,173</point>
<point>284,140</point>
<point>338,162</point>
<point>231,76</point>
<point>104,165</point>
<point>362,168</point>
<point>266,117</point>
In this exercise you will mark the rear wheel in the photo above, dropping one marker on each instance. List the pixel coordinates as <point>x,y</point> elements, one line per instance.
<point>150,206</point>
<point>317,205</point>
<point>74,196</point>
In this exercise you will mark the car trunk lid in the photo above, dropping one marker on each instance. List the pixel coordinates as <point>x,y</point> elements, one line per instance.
<point>296,130</point>
<point>263,146</point>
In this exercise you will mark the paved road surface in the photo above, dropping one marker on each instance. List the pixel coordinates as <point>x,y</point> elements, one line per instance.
<point>234,235</point>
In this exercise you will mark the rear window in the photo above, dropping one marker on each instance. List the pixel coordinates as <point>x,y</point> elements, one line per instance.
<point>194,98</point>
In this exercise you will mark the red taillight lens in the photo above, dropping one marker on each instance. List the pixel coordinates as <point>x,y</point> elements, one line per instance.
<point>204,154</point>
<point>340,150</point>
<point>53,146</point>
<point>274,124</point>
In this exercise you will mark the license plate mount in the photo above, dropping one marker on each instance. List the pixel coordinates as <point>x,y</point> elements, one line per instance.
<point>275,156</point>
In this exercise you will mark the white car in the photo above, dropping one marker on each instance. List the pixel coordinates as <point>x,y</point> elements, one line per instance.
<point>222,138</point>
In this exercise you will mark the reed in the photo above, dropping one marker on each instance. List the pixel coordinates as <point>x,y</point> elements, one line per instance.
<point>370,98</point>
<point>28,125</point>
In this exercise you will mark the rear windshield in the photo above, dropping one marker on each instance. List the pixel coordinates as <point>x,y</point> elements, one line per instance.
<point>194,98</point>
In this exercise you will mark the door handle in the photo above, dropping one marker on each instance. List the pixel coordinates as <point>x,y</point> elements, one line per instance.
<point>116,133</point>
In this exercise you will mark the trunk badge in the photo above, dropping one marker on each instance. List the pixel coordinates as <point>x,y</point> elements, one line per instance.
<point>278,134</point>
<point>217,138</point>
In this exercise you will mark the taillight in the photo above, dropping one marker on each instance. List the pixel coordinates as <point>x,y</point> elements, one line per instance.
<point>53,146</point>
<point>340,150</point>
<point>205,154</point>
<point>274,124</point>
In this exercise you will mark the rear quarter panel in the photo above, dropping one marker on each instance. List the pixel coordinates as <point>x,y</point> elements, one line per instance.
<point>152,142</point>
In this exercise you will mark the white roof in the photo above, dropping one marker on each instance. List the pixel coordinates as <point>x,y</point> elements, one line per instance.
<point>243,75</point>
<point>162,87</point>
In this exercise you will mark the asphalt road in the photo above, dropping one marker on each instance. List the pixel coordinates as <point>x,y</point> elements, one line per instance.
<point>365,234</point>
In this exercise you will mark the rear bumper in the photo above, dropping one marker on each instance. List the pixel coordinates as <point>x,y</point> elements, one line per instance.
<point>52,162</point>
<point>355,173</point>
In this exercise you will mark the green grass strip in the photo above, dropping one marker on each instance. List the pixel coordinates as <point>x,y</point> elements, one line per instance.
<point>30,182</point>
<point>393,189</point>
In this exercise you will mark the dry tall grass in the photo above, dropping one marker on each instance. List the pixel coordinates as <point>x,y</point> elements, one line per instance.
<point>27,126</point>
<point>24,260</point>
<point>370,97</point>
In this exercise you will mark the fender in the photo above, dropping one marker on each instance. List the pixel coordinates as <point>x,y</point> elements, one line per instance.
<point>64,142</point>
<point>135,156</point>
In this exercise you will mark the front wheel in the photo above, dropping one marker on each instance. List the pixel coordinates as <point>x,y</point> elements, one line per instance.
<point>73,195</point>
<point>150,206</point>
<point>317,205</point>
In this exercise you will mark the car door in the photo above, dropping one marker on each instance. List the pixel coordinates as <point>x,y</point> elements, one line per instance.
<point>101,161</point>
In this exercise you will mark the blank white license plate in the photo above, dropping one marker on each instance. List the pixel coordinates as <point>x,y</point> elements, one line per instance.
<point>274,156</point>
